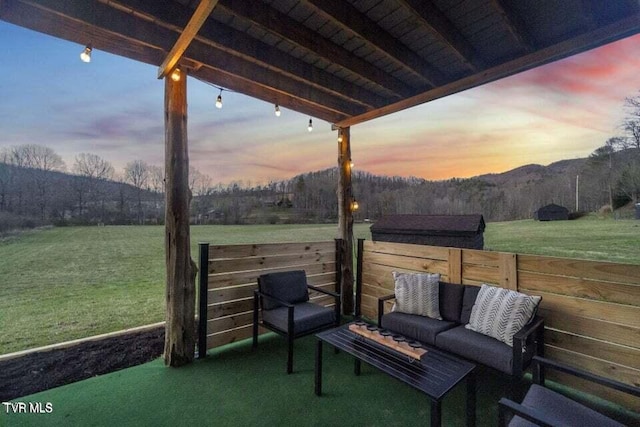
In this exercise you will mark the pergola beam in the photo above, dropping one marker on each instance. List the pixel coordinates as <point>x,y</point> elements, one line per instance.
<point>623,28</point>
<point>283,26</point>
<point>237,43</point>
<point>445,31</point>
<point>353,21</point>
<point>515,25</point>
<point>200,15</point>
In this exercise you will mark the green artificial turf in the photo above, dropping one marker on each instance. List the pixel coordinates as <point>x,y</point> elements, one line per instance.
<point>235,386</point>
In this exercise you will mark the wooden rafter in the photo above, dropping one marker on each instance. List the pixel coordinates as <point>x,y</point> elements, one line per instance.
<point>443,29</point>
<point>239,44</point>
<point>287,28</point>
<point>615,31</point>
<point>515,25</point>
<point>354,22</point>
<point>200,15</point>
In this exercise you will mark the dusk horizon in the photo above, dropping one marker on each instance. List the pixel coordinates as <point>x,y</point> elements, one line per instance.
<point>113,107</point>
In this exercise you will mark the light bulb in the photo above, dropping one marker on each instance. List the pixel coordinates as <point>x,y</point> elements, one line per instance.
<point>85,56</point>
<point>277,110</point>
<point>351,163</point>
<point>340,138</point>
<point>219,101</point>
<point>310,128</point>
<point>354,205</point>
<point>175,76</point>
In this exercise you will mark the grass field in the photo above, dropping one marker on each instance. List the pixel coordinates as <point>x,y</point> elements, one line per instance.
<point>65,283</point>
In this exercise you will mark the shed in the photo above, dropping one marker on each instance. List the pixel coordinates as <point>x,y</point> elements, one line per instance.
<point>459,231</point>
<point>551,212</point>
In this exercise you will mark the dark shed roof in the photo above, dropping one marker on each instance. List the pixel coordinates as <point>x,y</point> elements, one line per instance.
<point>430,224</point>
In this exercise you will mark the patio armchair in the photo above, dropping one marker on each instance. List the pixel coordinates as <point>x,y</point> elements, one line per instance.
<point>283,299</point>
<point>544,407</point>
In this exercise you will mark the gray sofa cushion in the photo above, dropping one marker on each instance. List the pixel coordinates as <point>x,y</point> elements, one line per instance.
<point>288,286</point>
<point>451,301</point>
<point>419,328</point>
<point>468,299</point>
<point>480,348</point>
<point>306,316</point>
<point>561,410</point>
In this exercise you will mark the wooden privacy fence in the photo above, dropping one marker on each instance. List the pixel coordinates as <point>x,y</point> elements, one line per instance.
<point>591,308</point>
<point>226,290</point>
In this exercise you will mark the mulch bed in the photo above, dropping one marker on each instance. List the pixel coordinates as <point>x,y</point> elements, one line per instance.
<point>44,370</point>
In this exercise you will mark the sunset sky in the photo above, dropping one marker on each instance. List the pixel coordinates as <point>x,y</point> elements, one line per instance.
<point>113,107</point>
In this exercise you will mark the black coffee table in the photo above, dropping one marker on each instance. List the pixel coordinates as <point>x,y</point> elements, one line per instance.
<point>435,374</point>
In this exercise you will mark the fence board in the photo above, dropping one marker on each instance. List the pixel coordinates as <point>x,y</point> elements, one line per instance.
<point>232,335</point>
<point>409,250</point>
<point>616,313</point>
<point>607,331</point>
<point>581,288</point>
<point>375,291</point>
<point>455,265</point>
<point>265,249</point>
<point>480,273</point>
<point>595,270</point>
<point>222,324</point>
<point>410,263</point>
<point>620,354</point>
<point>262,262</point>
<point>489,259</point>
<point>246,290</point>
<point>382,275</point>
<point>508,271</point>
<point>244,277</point>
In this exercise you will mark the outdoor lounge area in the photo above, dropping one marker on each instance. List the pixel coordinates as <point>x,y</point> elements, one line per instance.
<point>344,63</point>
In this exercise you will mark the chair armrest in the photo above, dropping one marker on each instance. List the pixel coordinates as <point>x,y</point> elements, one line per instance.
<point>381,301</point>
<point>274,299</point>
<point>532,333</point>
<point>522,334</point>
<point>324,291</point>
<point>506,406</point>
<point>617,385</point>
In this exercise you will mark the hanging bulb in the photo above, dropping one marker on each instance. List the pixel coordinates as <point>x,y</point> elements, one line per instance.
<point>310,128</point>
<point>85,56</point>
<point>175,75</point>
<point>219,100</point>
<point>351,163</point>
<point>277,110</point>
<point>354,205</point>
<point>339,137</point>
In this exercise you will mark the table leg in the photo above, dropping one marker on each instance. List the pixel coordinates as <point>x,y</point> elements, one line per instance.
<point>471,399</point>
<point>356,366</point>
<point>436,414</point>
<point>318,379</point>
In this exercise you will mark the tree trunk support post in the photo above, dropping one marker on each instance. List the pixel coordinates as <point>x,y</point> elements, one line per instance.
<point>345,218</point>
<point>179,344</point>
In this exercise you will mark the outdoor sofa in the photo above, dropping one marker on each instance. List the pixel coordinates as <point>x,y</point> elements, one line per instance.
<point>450,333</point>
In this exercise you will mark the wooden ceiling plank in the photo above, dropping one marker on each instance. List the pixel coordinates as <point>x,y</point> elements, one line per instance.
<point>108,22</point>
<point>515,25</point>
<point>238,43</point>
<point>445,31</point>
<point>354,22</point>
<point>588,40</point>
<point>285,27</point>
<point>200,15</point>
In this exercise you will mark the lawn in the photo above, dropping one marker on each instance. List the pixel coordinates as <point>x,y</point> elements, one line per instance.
<point>65,283</point>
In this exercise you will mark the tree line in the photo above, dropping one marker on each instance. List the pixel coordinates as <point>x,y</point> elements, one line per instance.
<point>37,188</point>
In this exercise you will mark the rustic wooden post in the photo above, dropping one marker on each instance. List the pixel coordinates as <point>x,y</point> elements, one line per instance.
<point>179,343</point>
<point>345,218</point>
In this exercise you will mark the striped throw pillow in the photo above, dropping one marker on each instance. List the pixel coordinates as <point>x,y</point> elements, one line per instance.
<point>417,293</point>
<point>500,313</point>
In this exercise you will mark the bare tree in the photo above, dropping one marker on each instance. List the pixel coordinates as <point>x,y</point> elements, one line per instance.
<point>42,160</point>
<point>91,169</point>
<point>136,173</point>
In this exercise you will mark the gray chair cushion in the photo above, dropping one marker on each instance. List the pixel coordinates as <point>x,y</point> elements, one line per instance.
<point>306,317</point>
<point>419,328</point>
<point>480,348</point>
<point>288,286</point>
<point>468,299</point>
<point>451,301</point>
<point>561,410</point>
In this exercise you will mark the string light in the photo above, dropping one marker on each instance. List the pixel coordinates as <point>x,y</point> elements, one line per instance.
<point>351,163</point>
<point>219,100</point>
<point>85,56</point>
<point>354,205</point>
<point>277,110</point>
<point>310,127</point>
<point>175,75</point>
<point>339,137</point>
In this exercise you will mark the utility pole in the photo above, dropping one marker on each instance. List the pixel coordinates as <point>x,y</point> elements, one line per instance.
<point>577,192</point>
